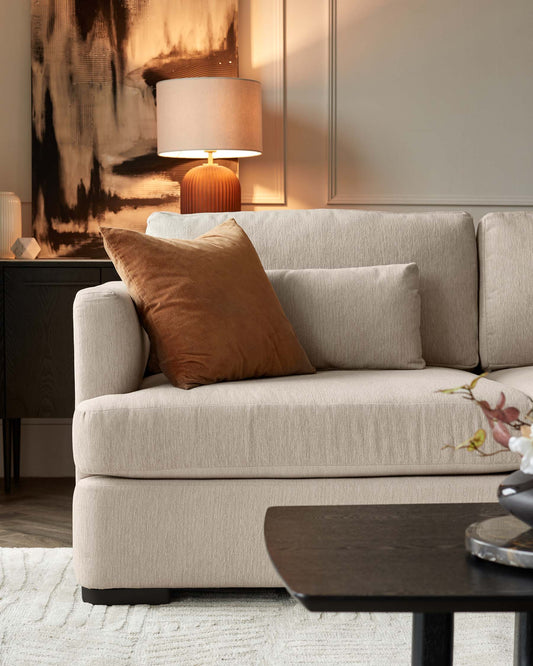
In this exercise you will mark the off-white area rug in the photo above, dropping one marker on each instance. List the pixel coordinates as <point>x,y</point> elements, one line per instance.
<point>44,621</point>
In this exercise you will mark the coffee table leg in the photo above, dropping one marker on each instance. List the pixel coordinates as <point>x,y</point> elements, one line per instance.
<point>432,639</point>
<point>523,639</point>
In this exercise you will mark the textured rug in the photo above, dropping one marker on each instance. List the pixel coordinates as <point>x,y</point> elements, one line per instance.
<point>44,621</point>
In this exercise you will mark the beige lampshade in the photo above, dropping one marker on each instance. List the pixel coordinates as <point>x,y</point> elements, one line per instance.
<point>209,113</point>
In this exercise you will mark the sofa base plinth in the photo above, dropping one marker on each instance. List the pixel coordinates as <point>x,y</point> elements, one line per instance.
<point>126,596</point>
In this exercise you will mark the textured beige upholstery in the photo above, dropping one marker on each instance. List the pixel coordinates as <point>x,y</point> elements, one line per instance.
<point>442,244</point>
<point>335,423</point>
<point>209,533</point>
<point>516,378</point>
<point>354,317</point>
<point>110,347</point>
<point>506,289</point>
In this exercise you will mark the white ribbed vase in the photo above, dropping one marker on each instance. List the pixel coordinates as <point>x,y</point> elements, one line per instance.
<point>10,222</point>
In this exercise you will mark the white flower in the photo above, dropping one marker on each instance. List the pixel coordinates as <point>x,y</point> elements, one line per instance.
<point>523,446</point>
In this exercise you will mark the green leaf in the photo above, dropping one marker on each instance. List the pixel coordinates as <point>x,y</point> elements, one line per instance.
<point>477,441</point>
<point>474,443</point>
<point>472,386</point>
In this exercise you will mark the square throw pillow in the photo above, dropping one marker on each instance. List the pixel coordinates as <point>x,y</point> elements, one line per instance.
<point>353,318</point>
<point>207,305</point>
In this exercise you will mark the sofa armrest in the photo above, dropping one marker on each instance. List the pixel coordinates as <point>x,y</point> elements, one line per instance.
<point>110,346</point>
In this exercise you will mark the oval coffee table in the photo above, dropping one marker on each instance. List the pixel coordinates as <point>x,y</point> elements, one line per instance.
<point>399,558</point>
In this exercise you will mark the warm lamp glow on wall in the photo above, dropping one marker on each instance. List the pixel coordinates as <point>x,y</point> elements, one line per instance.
<point>209,117</point>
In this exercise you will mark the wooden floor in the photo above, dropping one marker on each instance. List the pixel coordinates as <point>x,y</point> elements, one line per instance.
<point>37,513</point>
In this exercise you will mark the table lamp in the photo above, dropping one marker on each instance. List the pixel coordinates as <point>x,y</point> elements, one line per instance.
<point>212,116</point>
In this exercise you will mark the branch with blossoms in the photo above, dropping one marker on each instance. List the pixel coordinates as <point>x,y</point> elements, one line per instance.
<point>502,422</point>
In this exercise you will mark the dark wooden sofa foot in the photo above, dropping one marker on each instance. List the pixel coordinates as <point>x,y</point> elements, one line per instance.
<point>126,595</point>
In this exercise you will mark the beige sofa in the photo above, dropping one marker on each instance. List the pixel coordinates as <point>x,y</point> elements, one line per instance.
<point>172,485</point>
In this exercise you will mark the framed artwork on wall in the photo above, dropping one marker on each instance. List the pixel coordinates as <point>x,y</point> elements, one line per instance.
<point>95,65</point>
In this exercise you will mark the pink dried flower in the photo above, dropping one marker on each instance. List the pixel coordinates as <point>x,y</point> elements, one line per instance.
<point>501,419</point>
<point>507,415</point>
<point>500,433</point>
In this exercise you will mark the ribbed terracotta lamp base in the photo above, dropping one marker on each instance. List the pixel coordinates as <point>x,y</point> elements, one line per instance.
<point>210,188</point>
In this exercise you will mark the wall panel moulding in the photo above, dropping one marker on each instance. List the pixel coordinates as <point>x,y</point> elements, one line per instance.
<point>430,103</point>
<point>262,57</point>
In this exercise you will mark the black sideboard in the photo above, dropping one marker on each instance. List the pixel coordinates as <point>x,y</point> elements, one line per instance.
<point>36,342</point>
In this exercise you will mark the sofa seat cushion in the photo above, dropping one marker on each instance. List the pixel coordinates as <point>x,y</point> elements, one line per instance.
<point>332,424</point>
<point>517,378</point>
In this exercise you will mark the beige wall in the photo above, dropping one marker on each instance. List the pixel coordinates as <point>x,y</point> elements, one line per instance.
<point>46,445</point>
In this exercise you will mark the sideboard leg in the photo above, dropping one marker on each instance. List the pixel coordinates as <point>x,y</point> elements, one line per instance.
<point>523,639</point>
<point>6,434</point>
<point>432,639</point>
<point>16,449</point>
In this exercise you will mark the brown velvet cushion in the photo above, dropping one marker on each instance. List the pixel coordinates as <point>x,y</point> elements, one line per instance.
<point>207,305</point>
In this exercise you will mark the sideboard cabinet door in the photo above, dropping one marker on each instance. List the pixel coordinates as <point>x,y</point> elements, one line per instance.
<point>109,274</point>
<point>39,349</point>
<point>2,349</point>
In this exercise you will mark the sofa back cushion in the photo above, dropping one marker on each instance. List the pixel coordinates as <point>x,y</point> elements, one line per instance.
<point>442,244</point>
<point>367,317</point>
<point>505,243</point>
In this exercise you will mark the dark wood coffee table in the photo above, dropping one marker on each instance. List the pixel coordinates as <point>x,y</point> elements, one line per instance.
<point>399,558</point>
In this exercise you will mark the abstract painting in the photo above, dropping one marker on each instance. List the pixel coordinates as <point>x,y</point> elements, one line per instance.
<point>95,65</point>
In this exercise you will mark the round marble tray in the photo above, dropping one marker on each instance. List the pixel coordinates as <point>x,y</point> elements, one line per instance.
<point>505,540</point>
